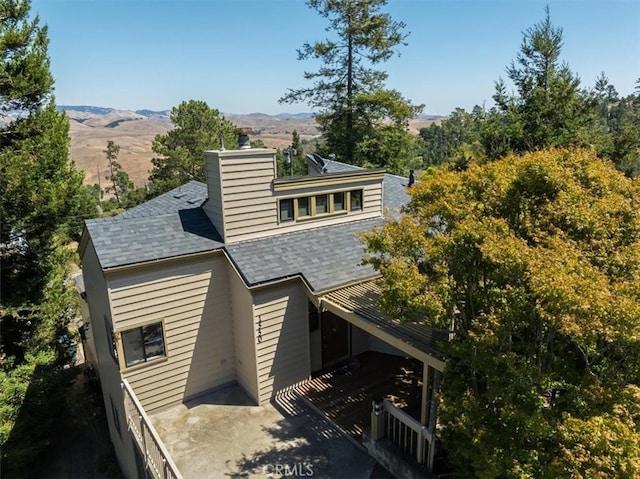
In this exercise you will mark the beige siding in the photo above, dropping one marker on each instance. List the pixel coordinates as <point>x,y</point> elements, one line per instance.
<point>373,198</point>
<point>244,335</point>
<point>192,297</point>
<point>108,371</point>
<point>248,201</point>
<point>239,185</point>
<point>259,220</point>
<point>243,198</point>
<point>280,316</point>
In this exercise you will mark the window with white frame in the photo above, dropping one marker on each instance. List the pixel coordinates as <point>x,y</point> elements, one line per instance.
<point>143,344</point>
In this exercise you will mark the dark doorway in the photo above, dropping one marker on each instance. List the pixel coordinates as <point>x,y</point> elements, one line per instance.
<point>335,338</point>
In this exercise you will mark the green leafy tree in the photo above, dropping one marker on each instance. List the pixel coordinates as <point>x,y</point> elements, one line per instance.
<point>533,264</point>
<point>347,89</point>
<point>197,128</point>
<point>623,126</point>
<point>40,208</point>
<point>456,139</point>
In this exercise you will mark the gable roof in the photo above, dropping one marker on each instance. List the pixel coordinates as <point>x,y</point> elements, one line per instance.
<point>173,224</point>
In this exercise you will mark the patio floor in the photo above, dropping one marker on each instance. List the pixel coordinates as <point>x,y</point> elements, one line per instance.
<point>344,394</point>
<point>220,434</point>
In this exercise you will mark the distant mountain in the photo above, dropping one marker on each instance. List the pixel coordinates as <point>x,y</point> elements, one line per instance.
<point>154,113</point>
<point>294,115</point>
<point>431,117</point>
<point>95,110</point>
<point>100,110</point>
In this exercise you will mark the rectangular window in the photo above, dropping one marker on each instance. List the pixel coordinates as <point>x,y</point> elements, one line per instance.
<point>356,200</point>
<point>303,206</point>
<point>286,210</point>
<point>143,344</point>
<point>338,202</point>
<point>322,204</point>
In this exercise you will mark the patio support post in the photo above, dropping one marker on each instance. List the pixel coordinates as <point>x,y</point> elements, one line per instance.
<point>377,419</point>
<point>433,418</point>
<point>424,409</point>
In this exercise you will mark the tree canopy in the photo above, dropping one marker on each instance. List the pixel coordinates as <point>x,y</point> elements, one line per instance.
<point>356,113</point>
<point>549,108</point>
<point>533,262</point>
<point>197,128</point>
<point>41,208</point>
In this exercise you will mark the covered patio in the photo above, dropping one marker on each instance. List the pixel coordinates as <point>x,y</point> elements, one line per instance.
<point>344,393</point>
<point>395,394</point>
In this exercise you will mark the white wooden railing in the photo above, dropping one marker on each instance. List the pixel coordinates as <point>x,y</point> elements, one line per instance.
<point>408,434</point>
<point>157,460</point>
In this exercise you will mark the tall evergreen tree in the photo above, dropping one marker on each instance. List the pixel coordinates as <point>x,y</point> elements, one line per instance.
<point>549,109</point>
<point>40,202</point>
<point>347,89</point>
<point>112,152</point>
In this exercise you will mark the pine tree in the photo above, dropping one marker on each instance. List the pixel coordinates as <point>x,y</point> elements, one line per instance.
<point>549,108</point>
<point>40,203</point>
<point>347,89</point>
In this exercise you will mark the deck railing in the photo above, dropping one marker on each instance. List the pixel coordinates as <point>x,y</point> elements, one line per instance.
<point>407,433</point>
<point>402,430</point>
<point>157,460</point>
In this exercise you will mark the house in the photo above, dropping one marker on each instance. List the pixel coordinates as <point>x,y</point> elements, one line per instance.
<point>248,279</point>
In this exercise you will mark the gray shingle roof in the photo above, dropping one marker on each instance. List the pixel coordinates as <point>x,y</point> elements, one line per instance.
<point>173,224</point>
<point>327,256</point>
<point>394,193</point>
<point>338,167</point>
<point>188,196</point>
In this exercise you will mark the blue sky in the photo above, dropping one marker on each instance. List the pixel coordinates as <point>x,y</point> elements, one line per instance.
<point>240,55</point>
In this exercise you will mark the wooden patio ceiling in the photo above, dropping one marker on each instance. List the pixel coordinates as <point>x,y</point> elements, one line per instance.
<point>358,304</point>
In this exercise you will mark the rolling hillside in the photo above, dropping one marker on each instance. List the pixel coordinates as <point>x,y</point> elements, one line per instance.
<point>134,131</point>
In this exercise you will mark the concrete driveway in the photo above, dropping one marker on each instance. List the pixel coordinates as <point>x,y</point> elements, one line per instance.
<point>221,434</point>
